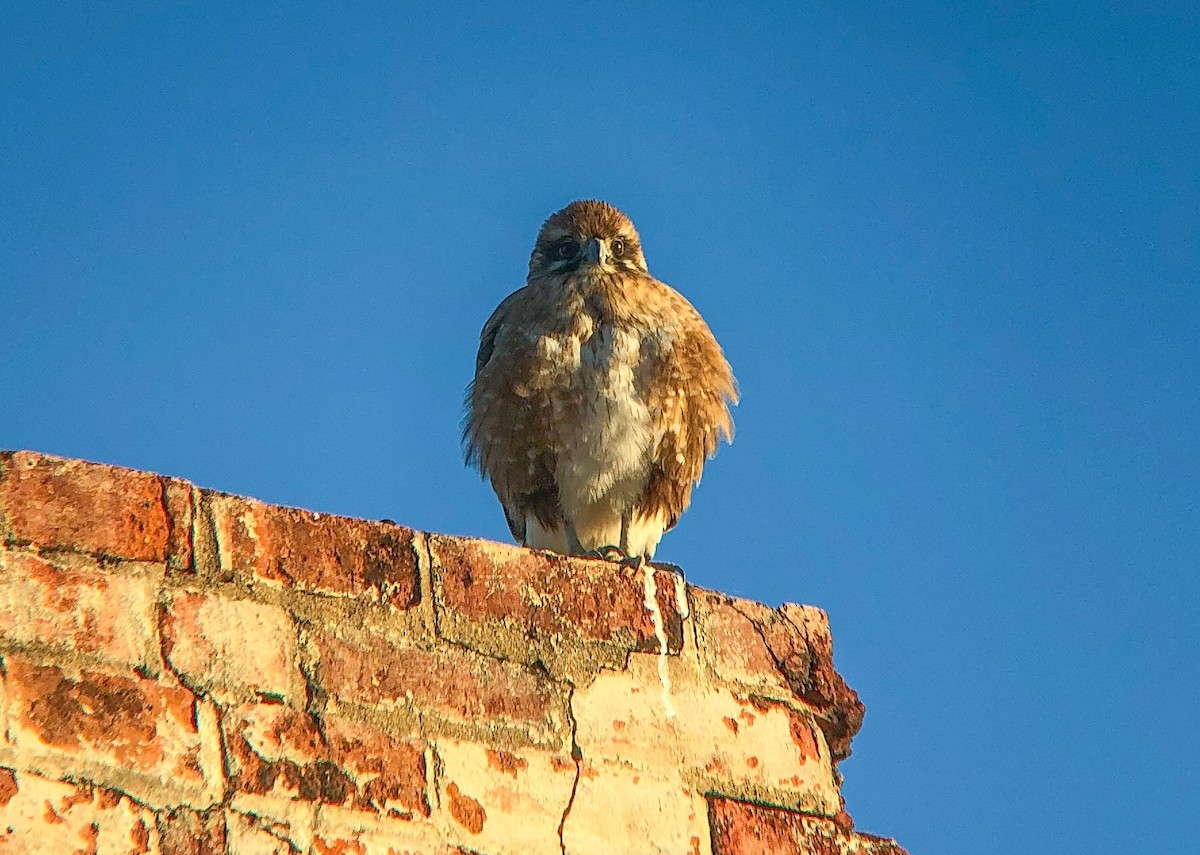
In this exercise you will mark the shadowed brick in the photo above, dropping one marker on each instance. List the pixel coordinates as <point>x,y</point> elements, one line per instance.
<point>183,831</point>
<point>456,683</point>
<point>180,514</point>
<point>741,828</point>
<point>734,647</point>
<point>839,711</point>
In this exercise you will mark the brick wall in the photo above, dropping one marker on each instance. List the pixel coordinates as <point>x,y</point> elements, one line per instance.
<point>185,671</point>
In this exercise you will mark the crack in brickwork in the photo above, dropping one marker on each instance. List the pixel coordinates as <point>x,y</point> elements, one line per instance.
<point>577,757</point>
<point>271,829</point>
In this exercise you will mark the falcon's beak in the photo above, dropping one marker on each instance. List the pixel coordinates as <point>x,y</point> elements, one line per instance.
<point>595,252</point>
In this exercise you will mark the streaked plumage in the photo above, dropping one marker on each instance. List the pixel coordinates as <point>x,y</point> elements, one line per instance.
<point>599,393</point>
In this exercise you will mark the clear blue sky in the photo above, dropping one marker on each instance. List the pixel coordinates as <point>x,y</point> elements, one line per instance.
<point>952,252</point>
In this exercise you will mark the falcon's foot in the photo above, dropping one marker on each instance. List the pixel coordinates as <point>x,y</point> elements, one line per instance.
<point>673,568</point>
<point>631,564</point>
<point>634,564</point>
<point>609,553</point>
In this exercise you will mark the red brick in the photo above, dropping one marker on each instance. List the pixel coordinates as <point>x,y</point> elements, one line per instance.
<point>70,602</point>
<point>53,503</point>
<point>8,785</point>
<point>549,595</point>
<point>276,750</point>
<point>466,811</point>
<point>117,722</point>
<point>742,828</point>
<point>390,774</point>
<point>316,552</point>
<point>239,647</point>
<point>454,682</point>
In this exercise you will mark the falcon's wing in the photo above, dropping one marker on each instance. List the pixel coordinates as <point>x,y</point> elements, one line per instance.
<point>480,391</point>
<point>487,340</point>
<point>500,430</point>
<point>691,386</point>
<point>491,329</point>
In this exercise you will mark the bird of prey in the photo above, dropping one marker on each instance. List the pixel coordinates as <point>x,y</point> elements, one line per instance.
<point>599,393</point>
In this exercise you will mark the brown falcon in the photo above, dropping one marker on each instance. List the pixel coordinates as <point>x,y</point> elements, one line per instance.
<point>599,392</point>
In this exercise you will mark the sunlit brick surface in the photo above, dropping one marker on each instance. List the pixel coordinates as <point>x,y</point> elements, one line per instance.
<point>186,671</point>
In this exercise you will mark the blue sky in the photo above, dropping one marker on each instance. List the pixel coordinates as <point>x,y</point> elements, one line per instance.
<point>952,252</point>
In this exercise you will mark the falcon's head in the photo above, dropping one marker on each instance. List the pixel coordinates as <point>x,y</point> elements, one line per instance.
<point>585,235</point>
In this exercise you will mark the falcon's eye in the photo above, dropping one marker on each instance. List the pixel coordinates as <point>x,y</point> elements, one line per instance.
<point>618,247</point>
<point>567,249</point>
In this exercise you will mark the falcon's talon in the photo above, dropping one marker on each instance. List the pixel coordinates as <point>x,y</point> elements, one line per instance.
<point>670,568</point>
<point>610,553</point>
<point>633,564</point>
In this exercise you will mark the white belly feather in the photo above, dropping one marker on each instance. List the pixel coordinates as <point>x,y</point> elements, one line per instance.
<point>604,444</point>
<point>603,439</point>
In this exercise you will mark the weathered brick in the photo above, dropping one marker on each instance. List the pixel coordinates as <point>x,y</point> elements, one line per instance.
<point>52,503</point>
<point>741,746</point>
<point>235,648</point>
<point>265,825</point>
<point>274,750</point>
<point>183,831</point>
<point>93,725</point>
<point>55,817</point>
<point>552,595</point>
<point>839,711</point>
<point>734,647</point>
<point>741,828</point>
<point>389,775</point>
<point>315,552</point>
<point>622,811</point>
<point>504,801</point>
<point>71,603</point>
<point>450,683</point>
<point>339,834</point>
<point>247,836</point>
